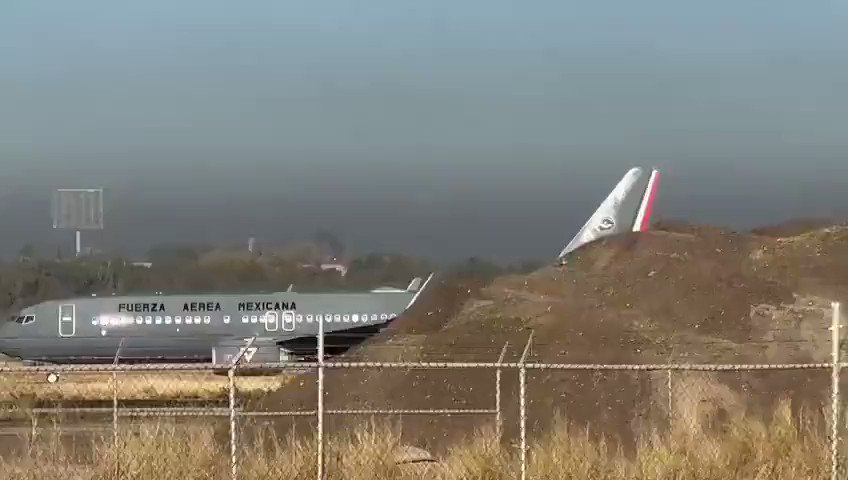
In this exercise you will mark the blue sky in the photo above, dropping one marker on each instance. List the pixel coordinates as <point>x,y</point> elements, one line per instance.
<point>444,128</point>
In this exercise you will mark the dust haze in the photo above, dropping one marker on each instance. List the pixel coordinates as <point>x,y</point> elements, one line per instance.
<point>444,130</point>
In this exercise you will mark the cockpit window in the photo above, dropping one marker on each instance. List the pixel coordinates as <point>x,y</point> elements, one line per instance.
<point>24,319</point>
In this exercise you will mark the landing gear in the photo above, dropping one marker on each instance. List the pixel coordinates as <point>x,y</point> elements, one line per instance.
<point>52,377</point>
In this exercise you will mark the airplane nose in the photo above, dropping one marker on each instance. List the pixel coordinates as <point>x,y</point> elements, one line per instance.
<point>7,341</point>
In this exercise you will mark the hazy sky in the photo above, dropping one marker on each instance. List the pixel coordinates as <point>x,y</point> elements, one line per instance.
<point>445,128</point>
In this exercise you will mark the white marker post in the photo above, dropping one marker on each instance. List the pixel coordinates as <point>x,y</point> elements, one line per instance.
<point>522,374</point>
<point>231,373</point>
<point>320,399</point>
<point>834,427</point>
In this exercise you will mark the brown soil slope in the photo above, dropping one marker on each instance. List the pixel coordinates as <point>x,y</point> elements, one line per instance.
<point>694,295</point>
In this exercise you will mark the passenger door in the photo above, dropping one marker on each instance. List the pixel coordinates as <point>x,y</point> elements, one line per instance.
<point>288,321</point>
<point>272,321</point>
<point>67,320</point>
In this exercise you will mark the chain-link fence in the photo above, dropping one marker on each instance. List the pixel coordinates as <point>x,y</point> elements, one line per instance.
<point>512,419</point>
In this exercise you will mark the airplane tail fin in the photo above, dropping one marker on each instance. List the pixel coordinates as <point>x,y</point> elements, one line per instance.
<point>628,207</point>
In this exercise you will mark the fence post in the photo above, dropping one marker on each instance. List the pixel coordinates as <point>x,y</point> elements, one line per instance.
<point>115,447</point>
<point>231,377</point>
<point>522,374</point>
<point>499,414</point>
<point>320,412</point>
<point>115,409</point>
<point>670,399</point>
<point>834,428</point>
<point>232,392</point>
<point>34,421</point>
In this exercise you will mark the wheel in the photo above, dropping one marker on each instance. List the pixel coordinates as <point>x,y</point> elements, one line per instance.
<point>52,377</point>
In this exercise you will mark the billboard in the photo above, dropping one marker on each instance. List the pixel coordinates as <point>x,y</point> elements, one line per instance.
<point>78,208</point>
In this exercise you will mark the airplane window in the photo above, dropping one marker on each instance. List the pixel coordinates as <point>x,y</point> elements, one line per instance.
<point>28,319</point>
<point>373,317</point>
<point>254,319</point>
<point>197,320</point>
<point>178,319</point>
<point>104,321</point>
<point>346,318</point>
<point>148,320</point>
<point>167,319</point>
<point>226,319</point>
<point>139,320</point>
<point>207,319</point>
<point>299,318</point>
<point>94,320</point>
<point>337,317</point>
<point>309,319</point>
<point>158,320</point>
<point>355,318</point>
<point>188,320</point>
<point>244,319</point>
<point>383,316</point>
<point>392,315</point>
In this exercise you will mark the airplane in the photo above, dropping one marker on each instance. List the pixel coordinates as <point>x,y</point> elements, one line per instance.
<point>260,327</point>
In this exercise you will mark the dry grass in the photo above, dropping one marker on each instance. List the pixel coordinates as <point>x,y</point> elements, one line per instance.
<point>176,385</point>
<point>784,448</point>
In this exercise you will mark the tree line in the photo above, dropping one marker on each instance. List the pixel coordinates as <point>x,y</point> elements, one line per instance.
<point>197,269</point>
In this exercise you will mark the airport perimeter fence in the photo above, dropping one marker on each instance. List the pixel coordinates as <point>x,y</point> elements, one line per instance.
<point>603,391</point>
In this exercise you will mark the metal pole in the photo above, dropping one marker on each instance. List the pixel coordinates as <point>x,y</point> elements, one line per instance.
<point>231,376</point>
<point>232,388</point>
<point>34,420</point>
<point>522,373</point>
<point>115,408</point>
<point>78,243</point>
<point>320,454</point>
<point>670,396</point>
<point>499,414</point>
<point>834,434</point>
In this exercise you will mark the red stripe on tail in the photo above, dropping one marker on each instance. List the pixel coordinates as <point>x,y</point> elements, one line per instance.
<point>649,205</point>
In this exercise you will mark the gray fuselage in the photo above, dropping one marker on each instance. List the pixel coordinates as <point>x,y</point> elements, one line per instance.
<point>186,327</point>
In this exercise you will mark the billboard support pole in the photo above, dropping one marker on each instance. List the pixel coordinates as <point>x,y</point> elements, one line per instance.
<point>78,209</point>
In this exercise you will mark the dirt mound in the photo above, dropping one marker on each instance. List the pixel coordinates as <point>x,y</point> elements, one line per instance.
<point>794,227</point>
<point>667,295</point>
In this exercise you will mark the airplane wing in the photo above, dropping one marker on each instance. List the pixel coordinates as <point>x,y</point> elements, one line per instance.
<point>628,207</point>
